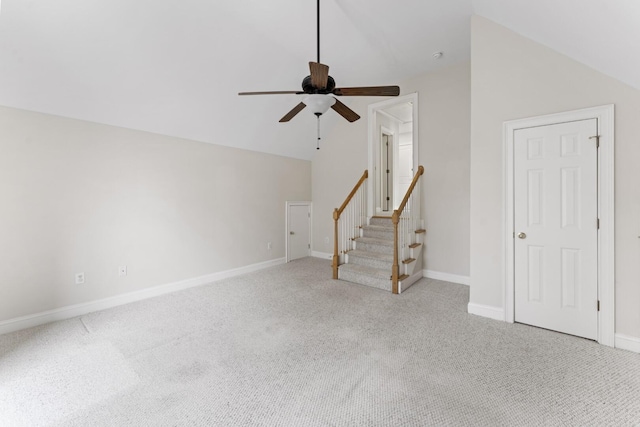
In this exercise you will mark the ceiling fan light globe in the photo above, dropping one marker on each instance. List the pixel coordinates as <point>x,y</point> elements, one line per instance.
<point>319,104</point>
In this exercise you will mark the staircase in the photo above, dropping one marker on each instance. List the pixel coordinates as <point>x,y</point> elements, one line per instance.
<point>383,252</point>
<point>370,260</point>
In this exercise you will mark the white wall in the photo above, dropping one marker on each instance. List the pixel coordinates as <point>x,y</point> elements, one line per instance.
<point>444,122</point>
<point>83,197</point>
<point>513,77</point>
<point>444,127</point>
<point>336,168</point>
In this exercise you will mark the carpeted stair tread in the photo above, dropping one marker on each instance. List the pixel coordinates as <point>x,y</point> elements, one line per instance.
<point>364,275</point>
<point>374,244</point>
<point>372,255</point>
<point>378,232</point>
<point>367,271</point>
<point>378,227</point>
<point>381,220</point>
<point>374,241</point>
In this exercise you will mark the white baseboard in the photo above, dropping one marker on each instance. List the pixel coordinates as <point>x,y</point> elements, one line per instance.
<point>626,342</point>
<point>623,342</point>
<point>495,313</point>
<point>322,255</point>
<point>453,278</point>
<point>71,311</point>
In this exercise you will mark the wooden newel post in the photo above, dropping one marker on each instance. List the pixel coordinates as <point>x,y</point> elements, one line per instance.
<point>395,268</point>
<point>336,256</point>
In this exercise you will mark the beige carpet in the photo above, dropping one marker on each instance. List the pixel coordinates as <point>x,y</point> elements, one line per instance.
<point>289,347</point>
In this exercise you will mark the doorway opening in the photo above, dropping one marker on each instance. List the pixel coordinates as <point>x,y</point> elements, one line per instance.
<point>393,152</point>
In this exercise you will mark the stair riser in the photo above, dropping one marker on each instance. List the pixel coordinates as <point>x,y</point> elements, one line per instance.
<point>371,247</point>
<point>370,262</point>
<point>362,279</point>
<point>378,234</point>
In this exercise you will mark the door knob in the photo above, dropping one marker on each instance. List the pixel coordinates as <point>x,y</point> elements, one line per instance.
<point>291,232</point>
<point>522,235</point>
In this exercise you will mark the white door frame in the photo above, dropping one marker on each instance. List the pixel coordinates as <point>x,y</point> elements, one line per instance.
<point>372,132</point>
<point>286,226</point>
<point>606,261</point>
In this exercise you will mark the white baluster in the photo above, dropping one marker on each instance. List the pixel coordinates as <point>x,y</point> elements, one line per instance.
<point>351,221</point>
<point>342,234</point>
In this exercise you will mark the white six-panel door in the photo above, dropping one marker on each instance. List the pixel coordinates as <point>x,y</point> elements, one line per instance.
<point>555,219</point>
<point>298,230</point>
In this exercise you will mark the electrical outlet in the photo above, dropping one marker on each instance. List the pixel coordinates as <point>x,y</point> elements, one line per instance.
<point>269,246</point>
<point>79,278</point>
<point>122,270</point>
<point>326,240</point>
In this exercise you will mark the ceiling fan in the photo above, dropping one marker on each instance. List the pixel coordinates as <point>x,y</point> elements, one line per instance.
<point>319,87</point>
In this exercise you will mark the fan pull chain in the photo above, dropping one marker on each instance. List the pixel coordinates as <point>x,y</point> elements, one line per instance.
<point>318,147</point>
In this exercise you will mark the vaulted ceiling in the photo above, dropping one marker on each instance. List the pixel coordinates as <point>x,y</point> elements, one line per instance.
<point>175,68</point>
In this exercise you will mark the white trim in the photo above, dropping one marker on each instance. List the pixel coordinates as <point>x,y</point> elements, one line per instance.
<point>495,313</point>
<point>372,131</point>
<point>323,255</point>
<point>606,263</point>
<point>447,277</point>
<point>626,342</point>
<point>391,117</point>
<point>71,311</point>
<point>288,204</point>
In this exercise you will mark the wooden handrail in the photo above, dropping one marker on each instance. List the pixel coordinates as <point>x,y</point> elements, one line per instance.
<point>365,175</point>
<point>395,219</point>
<point>410,190</point>
<point>336,216</point>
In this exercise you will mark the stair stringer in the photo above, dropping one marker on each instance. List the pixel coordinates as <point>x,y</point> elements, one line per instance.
<point>413,278</point>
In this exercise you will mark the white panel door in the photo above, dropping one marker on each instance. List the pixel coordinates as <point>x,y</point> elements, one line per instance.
<point>555,220</point>
<point>298,238</point>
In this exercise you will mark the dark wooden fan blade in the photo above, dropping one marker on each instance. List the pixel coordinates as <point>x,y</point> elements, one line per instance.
<point>367,91</point>
<point>319,75</point>
<point>291,114</point>
<point>345,111</point>
<point>276,92</point>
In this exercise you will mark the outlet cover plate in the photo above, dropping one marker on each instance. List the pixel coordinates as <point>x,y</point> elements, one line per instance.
<point>79,278</point>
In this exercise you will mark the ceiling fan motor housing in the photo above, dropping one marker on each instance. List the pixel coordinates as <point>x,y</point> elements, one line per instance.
<point>307,87</point>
